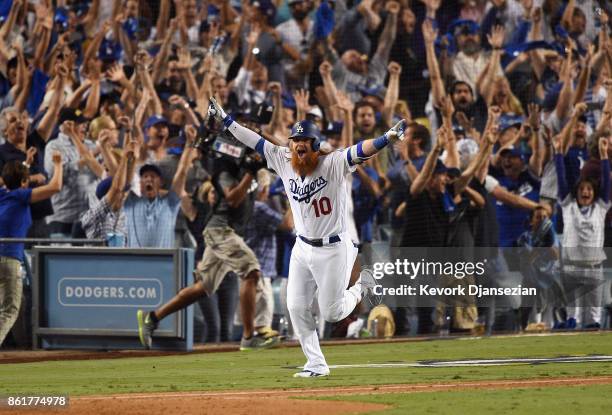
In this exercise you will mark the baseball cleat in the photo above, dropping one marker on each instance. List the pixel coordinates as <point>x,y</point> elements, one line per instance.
<point>368,283</point>
<point>146,327</point>
<point>309,374</point>
<point>258,343</point>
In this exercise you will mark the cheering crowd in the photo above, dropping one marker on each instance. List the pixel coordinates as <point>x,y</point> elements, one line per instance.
<point>104,135</point>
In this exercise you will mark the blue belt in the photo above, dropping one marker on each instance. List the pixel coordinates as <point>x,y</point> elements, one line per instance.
<point>321,241</point>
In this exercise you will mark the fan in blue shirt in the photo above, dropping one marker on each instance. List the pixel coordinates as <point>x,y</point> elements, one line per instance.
<point>15,200</point>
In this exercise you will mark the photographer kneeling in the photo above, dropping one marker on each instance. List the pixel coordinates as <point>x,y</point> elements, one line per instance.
<point>233,171</point>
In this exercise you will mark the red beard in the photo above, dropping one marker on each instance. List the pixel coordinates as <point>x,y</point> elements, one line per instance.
<point>305,166</point>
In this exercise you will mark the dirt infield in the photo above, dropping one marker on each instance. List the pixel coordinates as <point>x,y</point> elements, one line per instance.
<point>281,401</point>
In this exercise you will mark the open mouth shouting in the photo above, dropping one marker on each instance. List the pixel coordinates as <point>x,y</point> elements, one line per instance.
<point>300,149</point>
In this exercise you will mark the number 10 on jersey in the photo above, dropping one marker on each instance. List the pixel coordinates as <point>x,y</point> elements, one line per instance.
<point>322,206</point>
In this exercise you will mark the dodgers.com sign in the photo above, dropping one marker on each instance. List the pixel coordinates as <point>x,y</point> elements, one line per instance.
<point>109,292</point>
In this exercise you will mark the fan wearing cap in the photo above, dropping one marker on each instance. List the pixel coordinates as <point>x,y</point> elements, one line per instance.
<point>323,256</point>
<point>105,216</point>
<point>574,143</point>
<point>111,104</point>
<point>509,128</point>
<point>156,134</point>
<point>81,172</point>
<point>375,96</point>
<point>434,196</point>
<point>151,216</point>
<point>519,180</point>
<point>470,61</point>
<point>297,37</point>
<point>461,91</point>
<point>251,82</point>
<point>261,40</point>
<point>315,115</point>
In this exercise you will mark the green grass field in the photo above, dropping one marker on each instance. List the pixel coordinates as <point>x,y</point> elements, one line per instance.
<point>592,400</point>
<point>269,370</point>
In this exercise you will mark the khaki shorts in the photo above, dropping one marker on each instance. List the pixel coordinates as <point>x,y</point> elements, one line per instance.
<point>225,251</point>
<point>10,294</point>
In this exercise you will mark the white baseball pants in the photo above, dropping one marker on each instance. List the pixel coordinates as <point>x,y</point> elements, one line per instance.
<point>328,270</point>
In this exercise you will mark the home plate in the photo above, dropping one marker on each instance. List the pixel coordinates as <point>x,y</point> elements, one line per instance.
<point>480,362</point>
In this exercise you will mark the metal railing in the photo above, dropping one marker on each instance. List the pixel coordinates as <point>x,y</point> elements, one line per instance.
<point>48,241</point>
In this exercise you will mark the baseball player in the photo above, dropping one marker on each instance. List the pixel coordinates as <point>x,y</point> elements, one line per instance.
<point>323,255</point>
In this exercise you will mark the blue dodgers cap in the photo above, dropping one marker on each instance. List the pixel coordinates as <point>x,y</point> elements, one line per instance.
<point>266,7</point>
<point>333,128</point>
<point>71,114</point>
<point>463,27</point>
<point>440,167</point>
<point>61,17</point>
<point>103,187</point>
<point>131,28</point>
<point>109,51</point>
<point>377,91</point>
<point>458,129</point>
<point>80,8</point>
<point>508,119</point>
<point>453,172</point>
<point>5,9</point>
<point>213,13</point>
<point>149,167</point>
<point>155,119</point>
<point>514,152</point>
<point>305,129</point>
<point>288,100</point>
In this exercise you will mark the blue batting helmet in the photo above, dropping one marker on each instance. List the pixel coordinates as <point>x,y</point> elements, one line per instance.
<point>307,129</point>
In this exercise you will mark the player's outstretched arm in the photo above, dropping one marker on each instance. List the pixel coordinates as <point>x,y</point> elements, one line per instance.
<point>363,150</point>
<point>247,137</point>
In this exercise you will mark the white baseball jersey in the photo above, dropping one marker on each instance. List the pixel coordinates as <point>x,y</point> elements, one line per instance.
<point>318,201</point>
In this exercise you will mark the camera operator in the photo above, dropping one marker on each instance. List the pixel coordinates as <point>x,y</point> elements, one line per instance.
<point>233,169</point>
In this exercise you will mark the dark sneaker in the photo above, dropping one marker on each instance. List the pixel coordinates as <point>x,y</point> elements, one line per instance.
<point>258,343</point>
